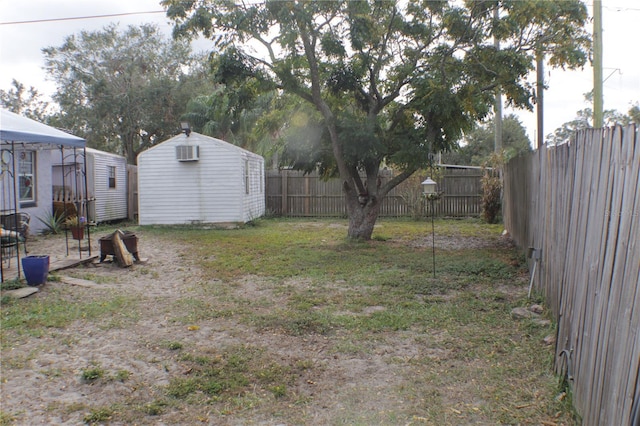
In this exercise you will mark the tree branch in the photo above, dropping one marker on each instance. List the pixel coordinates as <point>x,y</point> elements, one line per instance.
<point>395,181</point>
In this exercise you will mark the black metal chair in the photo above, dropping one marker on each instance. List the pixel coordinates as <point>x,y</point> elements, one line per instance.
<point>18,223</point>
<point>9,247</point>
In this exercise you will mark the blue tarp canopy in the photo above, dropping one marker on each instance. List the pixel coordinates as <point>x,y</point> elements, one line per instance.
<point>15,128</point>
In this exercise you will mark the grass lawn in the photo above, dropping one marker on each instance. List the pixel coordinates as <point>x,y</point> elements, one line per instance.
<point>288,322</point>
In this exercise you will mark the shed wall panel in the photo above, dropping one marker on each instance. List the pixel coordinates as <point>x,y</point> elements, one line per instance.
<point>254,201</point>
<point>110,203</point>
<point>105,204</point>
<point>210,190</point>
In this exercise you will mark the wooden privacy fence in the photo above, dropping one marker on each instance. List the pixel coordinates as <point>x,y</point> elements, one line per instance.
<point>578,204</point>
<point>132,192</point>
<point>293,194</point>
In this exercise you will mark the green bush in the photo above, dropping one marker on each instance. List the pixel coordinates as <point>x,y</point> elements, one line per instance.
<point>492,189</point>
<point>53,223</point>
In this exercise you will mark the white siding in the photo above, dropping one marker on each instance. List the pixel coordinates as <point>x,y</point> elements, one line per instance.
<point>254,201</point>
<point>42,207</point>
<point>210,190</point>
<point>109,203</point>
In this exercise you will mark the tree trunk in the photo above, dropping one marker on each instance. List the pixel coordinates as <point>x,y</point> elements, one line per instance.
<point>362,217</point>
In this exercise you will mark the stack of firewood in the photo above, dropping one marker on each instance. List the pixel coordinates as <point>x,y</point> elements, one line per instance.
<point>122,254</point>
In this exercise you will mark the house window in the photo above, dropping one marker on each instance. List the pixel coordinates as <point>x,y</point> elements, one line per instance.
<point>27,178</point>
<point>112,176</point>
<point>246,176</point>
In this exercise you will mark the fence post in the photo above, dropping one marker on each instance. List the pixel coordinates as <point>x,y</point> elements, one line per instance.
<point>285,208</point>
<point>306,195</point>
<point>132,191</point>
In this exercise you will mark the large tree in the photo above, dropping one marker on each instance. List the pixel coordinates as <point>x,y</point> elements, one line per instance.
<point>23,101</point>
<point>584,120</point>
<point>479,143</point>
<point>246,121</point>
<point>387,81</point>
<point>123,90</point>
<point>555,33</point>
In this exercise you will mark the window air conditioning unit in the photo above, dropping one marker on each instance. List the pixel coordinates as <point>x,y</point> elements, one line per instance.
<point>187,152</point>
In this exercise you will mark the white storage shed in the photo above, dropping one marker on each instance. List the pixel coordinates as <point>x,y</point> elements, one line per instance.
<point>193,179</point>
<point>106,182</point>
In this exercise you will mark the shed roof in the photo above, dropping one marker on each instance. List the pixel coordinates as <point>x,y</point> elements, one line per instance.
<point>199,138</point>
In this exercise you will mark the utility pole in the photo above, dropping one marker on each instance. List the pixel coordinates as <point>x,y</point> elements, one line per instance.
<point>498,103</point>
<point>540,96</point>
<point>598,103</point>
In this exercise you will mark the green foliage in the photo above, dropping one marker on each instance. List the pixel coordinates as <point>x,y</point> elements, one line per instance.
<point>174,346</point>
<point>12,284</point>
<point>279,391</point>
<point>123,90</point>
<point>555,29</point>
<point>584,120</point>
<point>485,267</point>
<point>91,374</point>
<point>53,223</point>
<point>480,143</point>
<point>239,114</point>
<point>181,388</point>
<point>492,190</point>
<point>122,375</point>
<point>229,372</point>
<point>35,315</point>
<point>155,408</point>
<point>98,416</point>
<point>634,114</point>
<point>389,82</point>
<point>24,102</point>
<point>6,419</point>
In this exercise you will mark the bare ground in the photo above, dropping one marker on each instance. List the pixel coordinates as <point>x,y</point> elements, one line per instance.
<point>383,381</point>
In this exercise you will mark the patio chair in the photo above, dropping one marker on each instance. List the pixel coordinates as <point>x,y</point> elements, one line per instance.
<point>9,247</point>
<point>17,223</point>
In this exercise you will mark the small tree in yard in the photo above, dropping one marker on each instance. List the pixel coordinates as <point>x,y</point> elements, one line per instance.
<point>386,82</point>
<point>491,201</point>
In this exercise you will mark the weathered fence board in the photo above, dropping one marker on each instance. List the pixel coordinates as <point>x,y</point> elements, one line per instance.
<point>579,204</point>
<point>132,192</point>
<point>294,194</point>
<point>627,243</point>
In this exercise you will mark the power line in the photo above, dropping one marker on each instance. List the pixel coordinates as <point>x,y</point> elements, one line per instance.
<point>621,9</point>
<point>75,18</point>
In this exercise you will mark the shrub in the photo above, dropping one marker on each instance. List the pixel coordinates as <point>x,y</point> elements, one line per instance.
<point>53,223</point>
<point>492,189</point>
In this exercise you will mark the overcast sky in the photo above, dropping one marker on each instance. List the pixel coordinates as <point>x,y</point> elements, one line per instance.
<point>21,57</point>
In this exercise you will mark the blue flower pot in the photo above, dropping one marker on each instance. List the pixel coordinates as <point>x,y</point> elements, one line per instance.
<point>36,269</point>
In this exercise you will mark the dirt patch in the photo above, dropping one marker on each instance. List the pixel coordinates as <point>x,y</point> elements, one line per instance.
<point>448,242</point>
<point>42,376</point>
<point>176,317</point>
